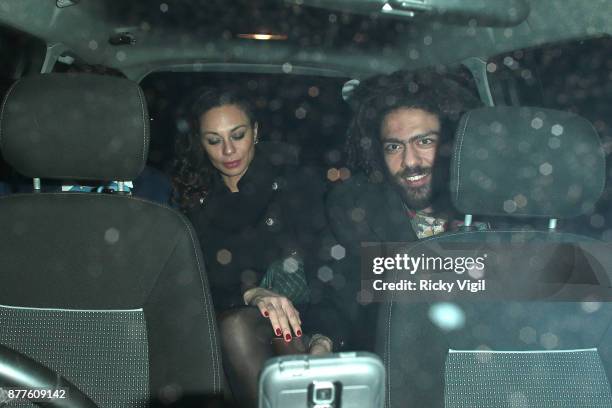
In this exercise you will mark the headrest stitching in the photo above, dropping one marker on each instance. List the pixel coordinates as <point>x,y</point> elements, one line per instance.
<point>458,154</point>
<point>4,106</point>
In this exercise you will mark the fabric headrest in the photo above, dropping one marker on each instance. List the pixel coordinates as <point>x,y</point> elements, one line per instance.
<point>75,126</point>
<point>531,162</point>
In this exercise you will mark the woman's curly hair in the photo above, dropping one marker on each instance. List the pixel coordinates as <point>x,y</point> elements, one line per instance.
<point>375,97</point>
<point>192,171</point>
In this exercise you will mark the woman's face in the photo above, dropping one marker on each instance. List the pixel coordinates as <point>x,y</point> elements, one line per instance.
<point>228,139</point>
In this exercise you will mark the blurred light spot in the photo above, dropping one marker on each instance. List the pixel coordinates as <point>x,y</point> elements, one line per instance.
<point>537,123</point>
<point>427,40</point>
<point>387,7</point>
<point>333,174</point>
<point>476,273</point>
<point>358,214</point>
<point>590,307</point>
<point>557,130</point>
<point>554,143</point>
<point>291,265</point>
<point>520,200</point>
<point>549,341</point>
<point>224,256</point>
<point>332,18</point>
<point>528,335</point>
<point>510,62</point>
<point>509,206</point>
<point>249,277</point>
<point>491,67</point>
<point>345,174</point>
<point>546,169</point>
<point>300,113</point>
<point>598,221</point>
<point>325,274</point>
<point>526,74</point>
<point>447,316</point>
<point>163,7</point>
<point>287,68</point>
<point>93,45</point>
<point>111,235</point>
<point>413,87</point>
<point>364,297</point>
<point>338,252</point>
<point>120,56</point>
<point>182,126</point>
<point>313,91</point>
<point>414,54</point>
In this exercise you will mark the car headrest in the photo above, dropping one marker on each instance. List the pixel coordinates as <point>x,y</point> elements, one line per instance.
<point>526,162</point>
<point>75,126</point>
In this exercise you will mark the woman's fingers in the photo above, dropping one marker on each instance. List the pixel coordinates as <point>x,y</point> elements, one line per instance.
<point>272,315</point>
<point>293,317</point>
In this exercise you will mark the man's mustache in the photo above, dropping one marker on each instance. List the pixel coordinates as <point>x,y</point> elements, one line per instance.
<point>414,171</point>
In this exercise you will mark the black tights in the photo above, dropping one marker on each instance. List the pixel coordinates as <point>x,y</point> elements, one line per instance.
<point>245,343</point>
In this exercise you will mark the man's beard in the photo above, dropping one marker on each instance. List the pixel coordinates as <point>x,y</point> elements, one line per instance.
<point>415,198</point>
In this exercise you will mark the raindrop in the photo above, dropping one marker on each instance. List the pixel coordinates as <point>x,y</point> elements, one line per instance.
<point>111,235</point>
<point>549,341</point>
<point>427,40</point>
<point>291,265</point>
<point>447,316</point>
<point>546,169</point>
<point>338,252</point>
<point>537,123</point>
<point>491,67</point>
<point>224,256</point>
<point>557,130</point>
<point>528,335</point>
<point>358,214</point>
<point>509,206</point>
<point>287,68</point>
<point>120,56</point>
<point>345,174</point>
<point>554,142</point>
<point>163,7</point>
<point>325,274</point>
<point>93,45</point>
<point>590,307</point>
<point>300,113</point>
<point>313,91</point>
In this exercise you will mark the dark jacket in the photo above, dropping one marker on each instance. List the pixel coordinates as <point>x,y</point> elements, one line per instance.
<point>274,215</point>
<point>363,211</point>
<point>360,210</point>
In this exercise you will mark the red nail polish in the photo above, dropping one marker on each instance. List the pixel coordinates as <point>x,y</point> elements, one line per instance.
<point>278,332</point>
<point>298,333</point>
<point>287,337</point>
<point>266,313</point>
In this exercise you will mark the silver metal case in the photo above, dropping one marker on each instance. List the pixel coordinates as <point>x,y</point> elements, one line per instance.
<point>341,380</point>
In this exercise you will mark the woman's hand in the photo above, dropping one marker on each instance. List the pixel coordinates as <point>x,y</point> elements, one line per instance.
<point>281,312</point>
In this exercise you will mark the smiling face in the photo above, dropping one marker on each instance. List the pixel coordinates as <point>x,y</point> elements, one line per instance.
<point>410,139</point>
<point>228,138</point>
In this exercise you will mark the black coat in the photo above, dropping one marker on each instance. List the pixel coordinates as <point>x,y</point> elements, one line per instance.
<point>360,210</point>
<point>273,215</point>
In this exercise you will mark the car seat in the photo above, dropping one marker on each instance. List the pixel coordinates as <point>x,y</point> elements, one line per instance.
<point>108,291</point>
<point>541,334</point>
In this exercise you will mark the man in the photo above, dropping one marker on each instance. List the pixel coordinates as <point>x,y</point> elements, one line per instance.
<point>398,152</point>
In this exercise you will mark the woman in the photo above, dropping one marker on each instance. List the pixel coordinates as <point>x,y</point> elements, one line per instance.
<point>243,204</point>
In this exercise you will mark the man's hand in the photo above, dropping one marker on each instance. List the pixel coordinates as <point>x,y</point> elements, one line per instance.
<point>319,345</point>
<point>281,312</point>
